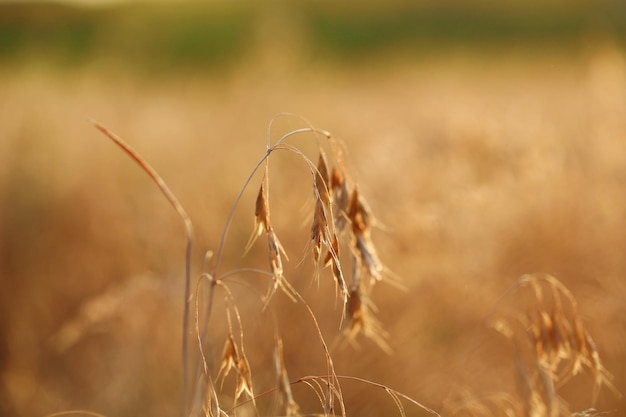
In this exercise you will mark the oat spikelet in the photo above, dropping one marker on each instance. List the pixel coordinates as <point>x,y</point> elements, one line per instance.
<point>319,231</point>
<point>360,218</point>
<point>332,253</point>
<point>358,214</point>
<point>322,181</point>
<point>244,377</point>
<point>230,353</point>
<point>341,198</point>
<point>322,227</point>
<point>332,260</point>
<point>275,250</point>
<point>324,239</point>
<point>369,257</point>
<point>261,217</point>
<point>230,358</point>
<point>360,319</point>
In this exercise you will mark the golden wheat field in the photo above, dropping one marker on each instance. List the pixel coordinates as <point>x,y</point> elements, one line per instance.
<point>477,168</point>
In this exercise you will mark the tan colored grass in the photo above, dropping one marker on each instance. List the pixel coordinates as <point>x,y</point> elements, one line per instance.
<point>485,164</point>
<point>551,332</point>
<point>283,384</point>
<point>552,346</point>
<point>334,201</point>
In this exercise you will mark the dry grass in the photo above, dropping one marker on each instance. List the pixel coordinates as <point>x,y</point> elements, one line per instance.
<point>340,214</point>
<point>551,346</point>
<point>477,174</point>
<point>551,332</point>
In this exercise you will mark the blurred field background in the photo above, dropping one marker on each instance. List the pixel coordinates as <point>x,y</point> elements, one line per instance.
<point>489,138</point>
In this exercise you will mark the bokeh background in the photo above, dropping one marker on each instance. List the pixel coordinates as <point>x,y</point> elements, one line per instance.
<point>489,138</point>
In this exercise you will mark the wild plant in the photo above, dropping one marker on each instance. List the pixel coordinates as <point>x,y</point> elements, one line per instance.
<point>550,341</point>
<point>339,245</point>
<point>552,346</point>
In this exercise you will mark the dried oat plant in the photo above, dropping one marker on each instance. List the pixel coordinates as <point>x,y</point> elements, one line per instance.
<point>340,235</point>
<point>552,346</point>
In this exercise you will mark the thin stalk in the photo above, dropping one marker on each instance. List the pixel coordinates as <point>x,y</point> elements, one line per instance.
<point>231,214</point>
<point>147,168</point>
<point>314,378</point>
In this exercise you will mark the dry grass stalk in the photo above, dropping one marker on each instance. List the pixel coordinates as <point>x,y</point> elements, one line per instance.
<point>282,380</point>
<point>211,406</point>
<point>75,413</point>
<point>332,197</point>
<point>316,382</point>
<point>552,346</point>
<point>340,218</point>
<point>561,347</point>
<point>275,248</point>
<point>337,203</point>
<point>333,386</point>
<point>188,225</point>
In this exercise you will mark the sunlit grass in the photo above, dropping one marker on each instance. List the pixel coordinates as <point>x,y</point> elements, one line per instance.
<point>478,170</point>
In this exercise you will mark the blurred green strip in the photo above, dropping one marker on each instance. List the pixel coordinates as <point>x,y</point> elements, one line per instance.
<point>40,27</point>
<point>356,33</point>
<point>200,36</point>
<point>152,36</point>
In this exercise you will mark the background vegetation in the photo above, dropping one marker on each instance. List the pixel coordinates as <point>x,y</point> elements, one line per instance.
<point>489,139</point>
